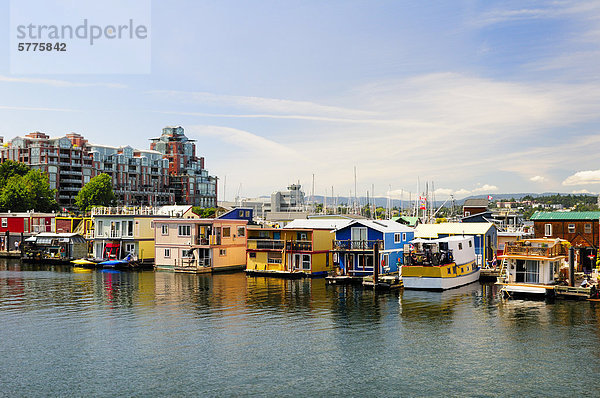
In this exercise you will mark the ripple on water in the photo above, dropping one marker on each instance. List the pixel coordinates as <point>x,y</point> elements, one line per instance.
<point>152,333</point>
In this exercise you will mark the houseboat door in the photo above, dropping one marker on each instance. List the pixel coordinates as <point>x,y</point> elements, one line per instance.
<point>349,263</point>
<point>297,261</point>
<point>358,237</point>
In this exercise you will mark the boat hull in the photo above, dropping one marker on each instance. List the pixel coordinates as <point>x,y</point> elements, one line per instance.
<point>439,283</point>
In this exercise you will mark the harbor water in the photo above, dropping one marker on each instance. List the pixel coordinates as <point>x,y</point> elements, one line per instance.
<point>74,332</point>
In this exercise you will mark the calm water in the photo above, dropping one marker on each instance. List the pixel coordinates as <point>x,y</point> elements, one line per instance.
<point>70,332</point>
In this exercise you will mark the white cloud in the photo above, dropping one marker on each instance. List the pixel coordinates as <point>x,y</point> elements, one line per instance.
<point>57,83</point>
<point>444,191</point>
<point>486,188</point>
<point>583,177</point>
<point>462,193</point>
<point>537,179</point>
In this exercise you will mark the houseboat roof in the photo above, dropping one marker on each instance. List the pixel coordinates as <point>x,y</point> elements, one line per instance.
<point>313,223</point>
<point>173,210</point>
<point>452,228</point>
<point>381,225</point>
<point>565,215</point>
<point>46,237</point>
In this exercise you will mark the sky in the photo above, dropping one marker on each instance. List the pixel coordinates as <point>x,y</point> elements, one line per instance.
<point>478,97</point>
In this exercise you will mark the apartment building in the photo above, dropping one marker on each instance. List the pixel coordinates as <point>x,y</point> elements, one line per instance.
<point>167,173</point>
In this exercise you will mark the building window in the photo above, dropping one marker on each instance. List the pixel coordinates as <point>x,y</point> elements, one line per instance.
<point>397,238</point>
<point>470,244</point>
<point>306,261</point>
<point>185,230</point>
<point>129,247</point>
<point>4,222</point>
<point>252,255</point>
<point>222,252</point>
<point>467,213</point>
<point>241,213</point>
<point>164,230</point>
<point>548,229</point>
<point>167,253</point>
<point>187,253</point>
<point>571,228</point>
<point>226,232</point>
<point>459,246</point>
<point>130,228</point>
<point>241,231</point>
<point>588,228</point>
<point>404,237</point>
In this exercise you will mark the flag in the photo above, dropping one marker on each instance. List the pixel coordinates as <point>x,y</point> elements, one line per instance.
<point>490,198</point>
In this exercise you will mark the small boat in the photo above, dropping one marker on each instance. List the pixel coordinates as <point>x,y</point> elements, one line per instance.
<point>84,262</point>
<point>440,264</point>
<point>127,262</point>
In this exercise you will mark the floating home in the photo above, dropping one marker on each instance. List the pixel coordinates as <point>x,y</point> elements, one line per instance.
<point>302,248</point>
<point>200,245</point>
<point>531,266</point>
<point>353,246</point>
<point>48,246</point>
<point>119,231</point>
<point>485,236</point>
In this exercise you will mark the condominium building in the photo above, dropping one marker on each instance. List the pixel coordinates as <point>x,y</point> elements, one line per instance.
<point>167,173</point>
<point>187,176</point>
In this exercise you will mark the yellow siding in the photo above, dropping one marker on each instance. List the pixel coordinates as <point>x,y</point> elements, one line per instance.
<point>146,249</point>
<point>236,256</point>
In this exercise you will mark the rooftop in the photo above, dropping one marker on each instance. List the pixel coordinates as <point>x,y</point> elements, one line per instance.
<point>452,228</point>
<point>565,215</point>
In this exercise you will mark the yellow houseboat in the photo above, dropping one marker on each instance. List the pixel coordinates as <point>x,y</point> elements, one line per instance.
<point>440,264</point>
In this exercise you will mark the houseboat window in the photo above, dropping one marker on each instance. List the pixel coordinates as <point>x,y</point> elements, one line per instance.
<point>247,213</point>
<point>358,234</point>
<point>470,244</point>
<point>164,229</point>
<point>185,230</point>
<point>588,228</point>
<point>241,231</point>
<point>404,237</point>
<point>252,255</point>
<point>4,222</point>
<point>306,261</point>
<point>226,232</point>
<point>129,228</point>
<point>241,213</point>
<point>129,247</point>
<point>302,236</point>
<point>222,252</point>
<point>527,271</point>
<point>167,253</point>
<point>571,228</point>
<point>397,238</point>
<point>548,229</point>
<point>459,245</point>
<point>187,253</point>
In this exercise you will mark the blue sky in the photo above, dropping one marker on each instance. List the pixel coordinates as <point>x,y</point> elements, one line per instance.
<point>480,97</point>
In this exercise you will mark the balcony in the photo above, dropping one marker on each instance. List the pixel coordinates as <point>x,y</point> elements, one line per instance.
<point>70,181</point>
<point>202,240</point>
<point>521,248</point>
<point>354,244</point>
<point>266,244</point>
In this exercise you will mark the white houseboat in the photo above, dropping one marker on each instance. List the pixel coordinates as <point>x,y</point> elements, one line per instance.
<point>440,264</point>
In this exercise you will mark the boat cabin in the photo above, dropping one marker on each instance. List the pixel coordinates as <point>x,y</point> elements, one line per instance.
<point>435,252</point>
<point>57,247</point>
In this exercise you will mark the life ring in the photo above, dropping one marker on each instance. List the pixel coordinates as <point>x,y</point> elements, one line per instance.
<point>62,249</point>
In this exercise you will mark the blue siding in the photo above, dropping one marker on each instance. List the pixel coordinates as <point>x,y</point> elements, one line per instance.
<point>394,258</point>
<point>240,213</point>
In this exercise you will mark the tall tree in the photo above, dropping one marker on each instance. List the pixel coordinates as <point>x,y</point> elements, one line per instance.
<point>97,192</point>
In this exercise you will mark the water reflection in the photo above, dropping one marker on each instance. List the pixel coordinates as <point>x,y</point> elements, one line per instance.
<point>186,334</point>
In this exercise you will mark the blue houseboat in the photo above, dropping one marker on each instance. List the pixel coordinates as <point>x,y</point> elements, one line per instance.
<point>353,246</point>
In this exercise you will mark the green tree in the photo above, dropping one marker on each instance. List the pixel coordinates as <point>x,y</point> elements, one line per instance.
<point>97,192</point>
<point>204,212</point>
<point>11,168</point>
<point>27,192</point>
